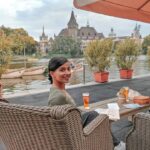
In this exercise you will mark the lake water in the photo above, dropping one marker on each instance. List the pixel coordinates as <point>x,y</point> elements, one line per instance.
<point>40,82</point>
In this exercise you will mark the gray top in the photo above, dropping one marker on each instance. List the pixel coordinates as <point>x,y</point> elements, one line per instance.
<point>59,97</point>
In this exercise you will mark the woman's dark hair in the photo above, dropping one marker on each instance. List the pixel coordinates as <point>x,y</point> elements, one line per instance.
<point>55,63</point>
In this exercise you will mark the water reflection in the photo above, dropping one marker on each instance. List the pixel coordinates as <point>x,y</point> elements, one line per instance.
<point>15,65</point>
<point>11,82</point>
<point>25,83</point>
<point>34,77</point>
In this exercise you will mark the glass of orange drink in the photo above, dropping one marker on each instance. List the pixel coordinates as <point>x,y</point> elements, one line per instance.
<point>86,98</point>
<point>126,93</point>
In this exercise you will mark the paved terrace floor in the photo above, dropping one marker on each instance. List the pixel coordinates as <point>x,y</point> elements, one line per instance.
<point>98,92</point>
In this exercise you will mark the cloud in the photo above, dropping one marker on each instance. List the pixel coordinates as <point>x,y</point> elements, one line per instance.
<point>55,14</point>
<point>10,7</point>
<point>51,14</point>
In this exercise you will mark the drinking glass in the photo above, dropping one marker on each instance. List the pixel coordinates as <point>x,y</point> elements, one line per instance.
<point>86,99</point>
<point>126,93</point>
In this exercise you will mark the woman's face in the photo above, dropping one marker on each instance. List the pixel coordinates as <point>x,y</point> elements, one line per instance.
<point>62,74</point>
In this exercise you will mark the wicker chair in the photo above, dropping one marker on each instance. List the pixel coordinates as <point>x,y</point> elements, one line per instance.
<point>56,128</point>
<point>139,137</point>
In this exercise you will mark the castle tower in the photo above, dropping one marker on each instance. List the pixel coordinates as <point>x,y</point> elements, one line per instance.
<point>112,34</point>
<point>43,42</point>
<point>72,26</point>
<point>136,32</point>
<point>43,34</point>
<point>43,37</point>
<point>88,23</point>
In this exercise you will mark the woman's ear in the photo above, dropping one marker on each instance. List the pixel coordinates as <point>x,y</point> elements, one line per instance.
<point>51,73</point>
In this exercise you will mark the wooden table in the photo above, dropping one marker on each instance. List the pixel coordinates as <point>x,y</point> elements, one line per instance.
<point>124,112</point>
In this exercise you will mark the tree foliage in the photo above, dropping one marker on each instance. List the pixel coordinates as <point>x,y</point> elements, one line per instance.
<point>98,54</point>
<point>148,53</point>
<point>13,41</point>
<point>146,44</point>
<point>20,40</point>
<point>65,45</point>
<point>126,53</point>
<point>5,52</point>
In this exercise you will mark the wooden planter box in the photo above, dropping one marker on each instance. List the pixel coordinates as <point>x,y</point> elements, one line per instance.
<point>101,76</point>
<point>126,74</point>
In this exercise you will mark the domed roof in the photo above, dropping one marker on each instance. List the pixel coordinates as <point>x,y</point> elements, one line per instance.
<point>87,31</point>
<point>51,39</point>
<point>63,32</point>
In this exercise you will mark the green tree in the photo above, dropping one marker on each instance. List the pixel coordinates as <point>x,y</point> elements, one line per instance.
<point>148,53</point>
<point>23,41</point>
<point>5,51</point>
<point>7,31</point>
<point>66,45</point>
<point>146,44</point>
<point>75,50</point>
<point>20,40</point>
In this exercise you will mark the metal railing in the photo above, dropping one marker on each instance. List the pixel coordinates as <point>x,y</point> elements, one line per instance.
<point>84,72</point>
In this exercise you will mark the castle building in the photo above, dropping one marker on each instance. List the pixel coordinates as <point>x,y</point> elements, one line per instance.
<point>135,35</point>
<point>136,32</point>
<point>45,43</point>
<point>85,34</point>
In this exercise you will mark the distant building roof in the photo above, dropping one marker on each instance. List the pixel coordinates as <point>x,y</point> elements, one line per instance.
<point>72,22</point>
<point>123,37</point>
<point>51,39</point>
<point>63,32</point>
<point>86,32</point>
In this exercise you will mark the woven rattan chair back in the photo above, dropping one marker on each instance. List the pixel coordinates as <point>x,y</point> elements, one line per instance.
<point>50,128</point>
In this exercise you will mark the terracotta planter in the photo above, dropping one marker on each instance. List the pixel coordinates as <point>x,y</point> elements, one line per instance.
<point>101,76</point>
<point>126,74</point>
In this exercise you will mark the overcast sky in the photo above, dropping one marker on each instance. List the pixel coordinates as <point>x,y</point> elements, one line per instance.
<point>54,15</point>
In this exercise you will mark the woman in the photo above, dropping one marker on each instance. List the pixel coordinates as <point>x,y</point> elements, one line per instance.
<point>59,74</point>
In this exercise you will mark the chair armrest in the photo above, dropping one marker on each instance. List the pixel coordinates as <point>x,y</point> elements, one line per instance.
<point>143,115</point>
<point>138,137</point>
<point>97,134</point>
<point>95,123</point>
<point>139,121</point>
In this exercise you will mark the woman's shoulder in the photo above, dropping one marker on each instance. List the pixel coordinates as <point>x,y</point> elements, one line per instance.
<point>56,97</point>
<point>59,97</point>
<point>55,91</point>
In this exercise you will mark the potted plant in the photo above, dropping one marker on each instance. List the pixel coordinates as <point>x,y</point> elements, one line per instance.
<point>98,56</point>
<point>126,54</point>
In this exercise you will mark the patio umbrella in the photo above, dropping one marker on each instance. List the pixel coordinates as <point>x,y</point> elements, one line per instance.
<point>130,9</point>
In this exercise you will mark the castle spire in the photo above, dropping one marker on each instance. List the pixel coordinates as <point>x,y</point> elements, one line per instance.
<point>135,27</point>
<point>88,23</point>
<point>72,22</point>
<point>43,33</point>
<point>112,30</point>
<point>136,31</point>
